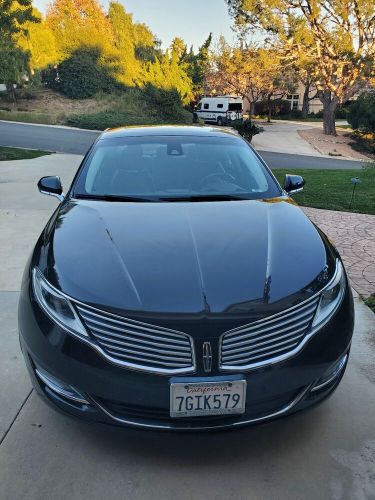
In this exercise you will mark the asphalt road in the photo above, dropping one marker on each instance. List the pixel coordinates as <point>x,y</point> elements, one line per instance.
<point>76,141</point>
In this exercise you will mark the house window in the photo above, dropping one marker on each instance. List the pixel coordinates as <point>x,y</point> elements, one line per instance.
<point>294,100</point>
<point>206,106</point>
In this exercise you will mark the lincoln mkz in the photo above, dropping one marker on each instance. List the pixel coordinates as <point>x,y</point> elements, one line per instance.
<point>178,286</point>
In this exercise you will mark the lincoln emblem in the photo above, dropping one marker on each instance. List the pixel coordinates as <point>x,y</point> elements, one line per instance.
<point>207,356</point>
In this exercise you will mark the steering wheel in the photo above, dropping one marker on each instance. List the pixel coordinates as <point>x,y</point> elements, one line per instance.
<point>216,175</point>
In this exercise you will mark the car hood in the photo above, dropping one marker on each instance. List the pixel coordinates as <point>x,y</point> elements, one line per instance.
<point>236,257</point>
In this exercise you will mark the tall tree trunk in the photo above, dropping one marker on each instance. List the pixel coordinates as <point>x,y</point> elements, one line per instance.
<point>11,91</point>
<point>269,108</point>
<point>330,104</point>
<point>252,109</point>
<point>306,99</point>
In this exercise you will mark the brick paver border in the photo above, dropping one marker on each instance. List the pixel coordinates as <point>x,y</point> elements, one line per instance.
<point>354,236</point>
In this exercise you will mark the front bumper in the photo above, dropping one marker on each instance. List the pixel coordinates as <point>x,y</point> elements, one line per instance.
<point>118,396</point>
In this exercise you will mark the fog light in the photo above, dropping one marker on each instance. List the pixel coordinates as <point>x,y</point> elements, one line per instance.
<point>59,387</point>
<point>332,373</point>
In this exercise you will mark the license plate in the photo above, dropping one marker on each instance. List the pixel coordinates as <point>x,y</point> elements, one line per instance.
<point>194,399</point>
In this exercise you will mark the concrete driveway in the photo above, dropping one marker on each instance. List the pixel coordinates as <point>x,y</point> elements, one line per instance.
<point>327,453</point>
<point>283,137</point>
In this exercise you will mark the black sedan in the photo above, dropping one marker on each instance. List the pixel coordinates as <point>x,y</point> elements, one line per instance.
<point>178,286</point>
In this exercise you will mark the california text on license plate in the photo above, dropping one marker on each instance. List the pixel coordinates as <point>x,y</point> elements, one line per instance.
<point>194,399</point>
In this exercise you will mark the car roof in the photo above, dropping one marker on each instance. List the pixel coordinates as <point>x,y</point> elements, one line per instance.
<point>169,130</point>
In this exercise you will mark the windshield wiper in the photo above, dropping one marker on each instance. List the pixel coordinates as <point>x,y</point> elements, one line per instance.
<point>115,197</point>
<point>205,197</point>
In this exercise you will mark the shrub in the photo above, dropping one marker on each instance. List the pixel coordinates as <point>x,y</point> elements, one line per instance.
<point>342,112</point>
<point>279,107</point>
<point>364,142</point>
<point>135,107</point>
<point>318,114</point>
<point>162,103</point>
<point>362,112</point>
<point>107,119</point>
<point>296,113</point>
<point>50,77</point>
<point>246,129</point>
<point>370,302</point>
<point>82,75</point>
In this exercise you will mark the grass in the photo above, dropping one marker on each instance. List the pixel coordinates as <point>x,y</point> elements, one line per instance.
<point>112,119</point>
<point>332,189</point>
<point>370,302</point>
<point>130,108</point>
<point>31,117</point>
<point>20,154</point>
<point>133,106</point>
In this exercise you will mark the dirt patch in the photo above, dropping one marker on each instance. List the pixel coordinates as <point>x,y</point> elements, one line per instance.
<point>333,146</point>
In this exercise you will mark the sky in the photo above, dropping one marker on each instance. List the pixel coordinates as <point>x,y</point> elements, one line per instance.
<point>191,20</point>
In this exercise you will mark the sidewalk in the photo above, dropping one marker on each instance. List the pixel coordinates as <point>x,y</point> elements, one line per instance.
<point>354,236</point>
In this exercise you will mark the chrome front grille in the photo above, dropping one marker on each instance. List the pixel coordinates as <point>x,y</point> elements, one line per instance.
<point>268,340</point>
<point>138,345</point>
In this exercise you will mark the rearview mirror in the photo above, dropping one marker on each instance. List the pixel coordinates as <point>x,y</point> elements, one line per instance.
<point>52,186</point>
<point>293,183</point>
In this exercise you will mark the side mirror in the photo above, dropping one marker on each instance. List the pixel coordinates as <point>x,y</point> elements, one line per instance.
<point>293,183</point>
<point>52,186</point>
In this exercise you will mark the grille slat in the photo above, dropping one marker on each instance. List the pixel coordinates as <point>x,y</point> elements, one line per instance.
<point>143,359</point>
<point>252,338</point>
<point>239,363</point>
<point>268,349</point>
<point>102,334</point>
<point>263,325</point>
<point>294,333</point>
<point>157,354</point>
<point>267,340</point>
<point>139,345</point>
<point>144,327</point>
<point>304,320</point>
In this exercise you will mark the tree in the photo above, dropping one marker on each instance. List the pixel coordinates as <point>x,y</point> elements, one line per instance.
<point>125,40</point>
<point>147,46</point>
<point>337,36</point>
<point>83,74</point>
<point>77,23</point>
<point>252,72</point>
<point>13,65</point>
<point>14,14</point>
<point>39,41</point>
<point>178,48</point>
<point>167,73</point>
<point>198,66</point>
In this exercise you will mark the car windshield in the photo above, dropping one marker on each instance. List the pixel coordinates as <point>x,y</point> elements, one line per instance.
<point>155,168</point>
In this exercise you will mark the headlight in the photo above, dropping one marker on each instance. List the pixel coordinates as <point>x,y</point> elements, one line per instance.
<point>331,296</point>
<point>56,306</point>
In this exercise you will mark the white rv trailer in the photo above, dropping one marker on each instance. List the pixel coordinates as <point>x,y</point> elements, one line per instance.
<point>220,110</point>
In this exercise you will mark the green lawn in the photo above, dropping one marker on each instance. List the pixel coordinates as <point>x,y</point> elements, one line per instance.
<point>20,154</point>
<point>370,302</point>
<point>332,189</point>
